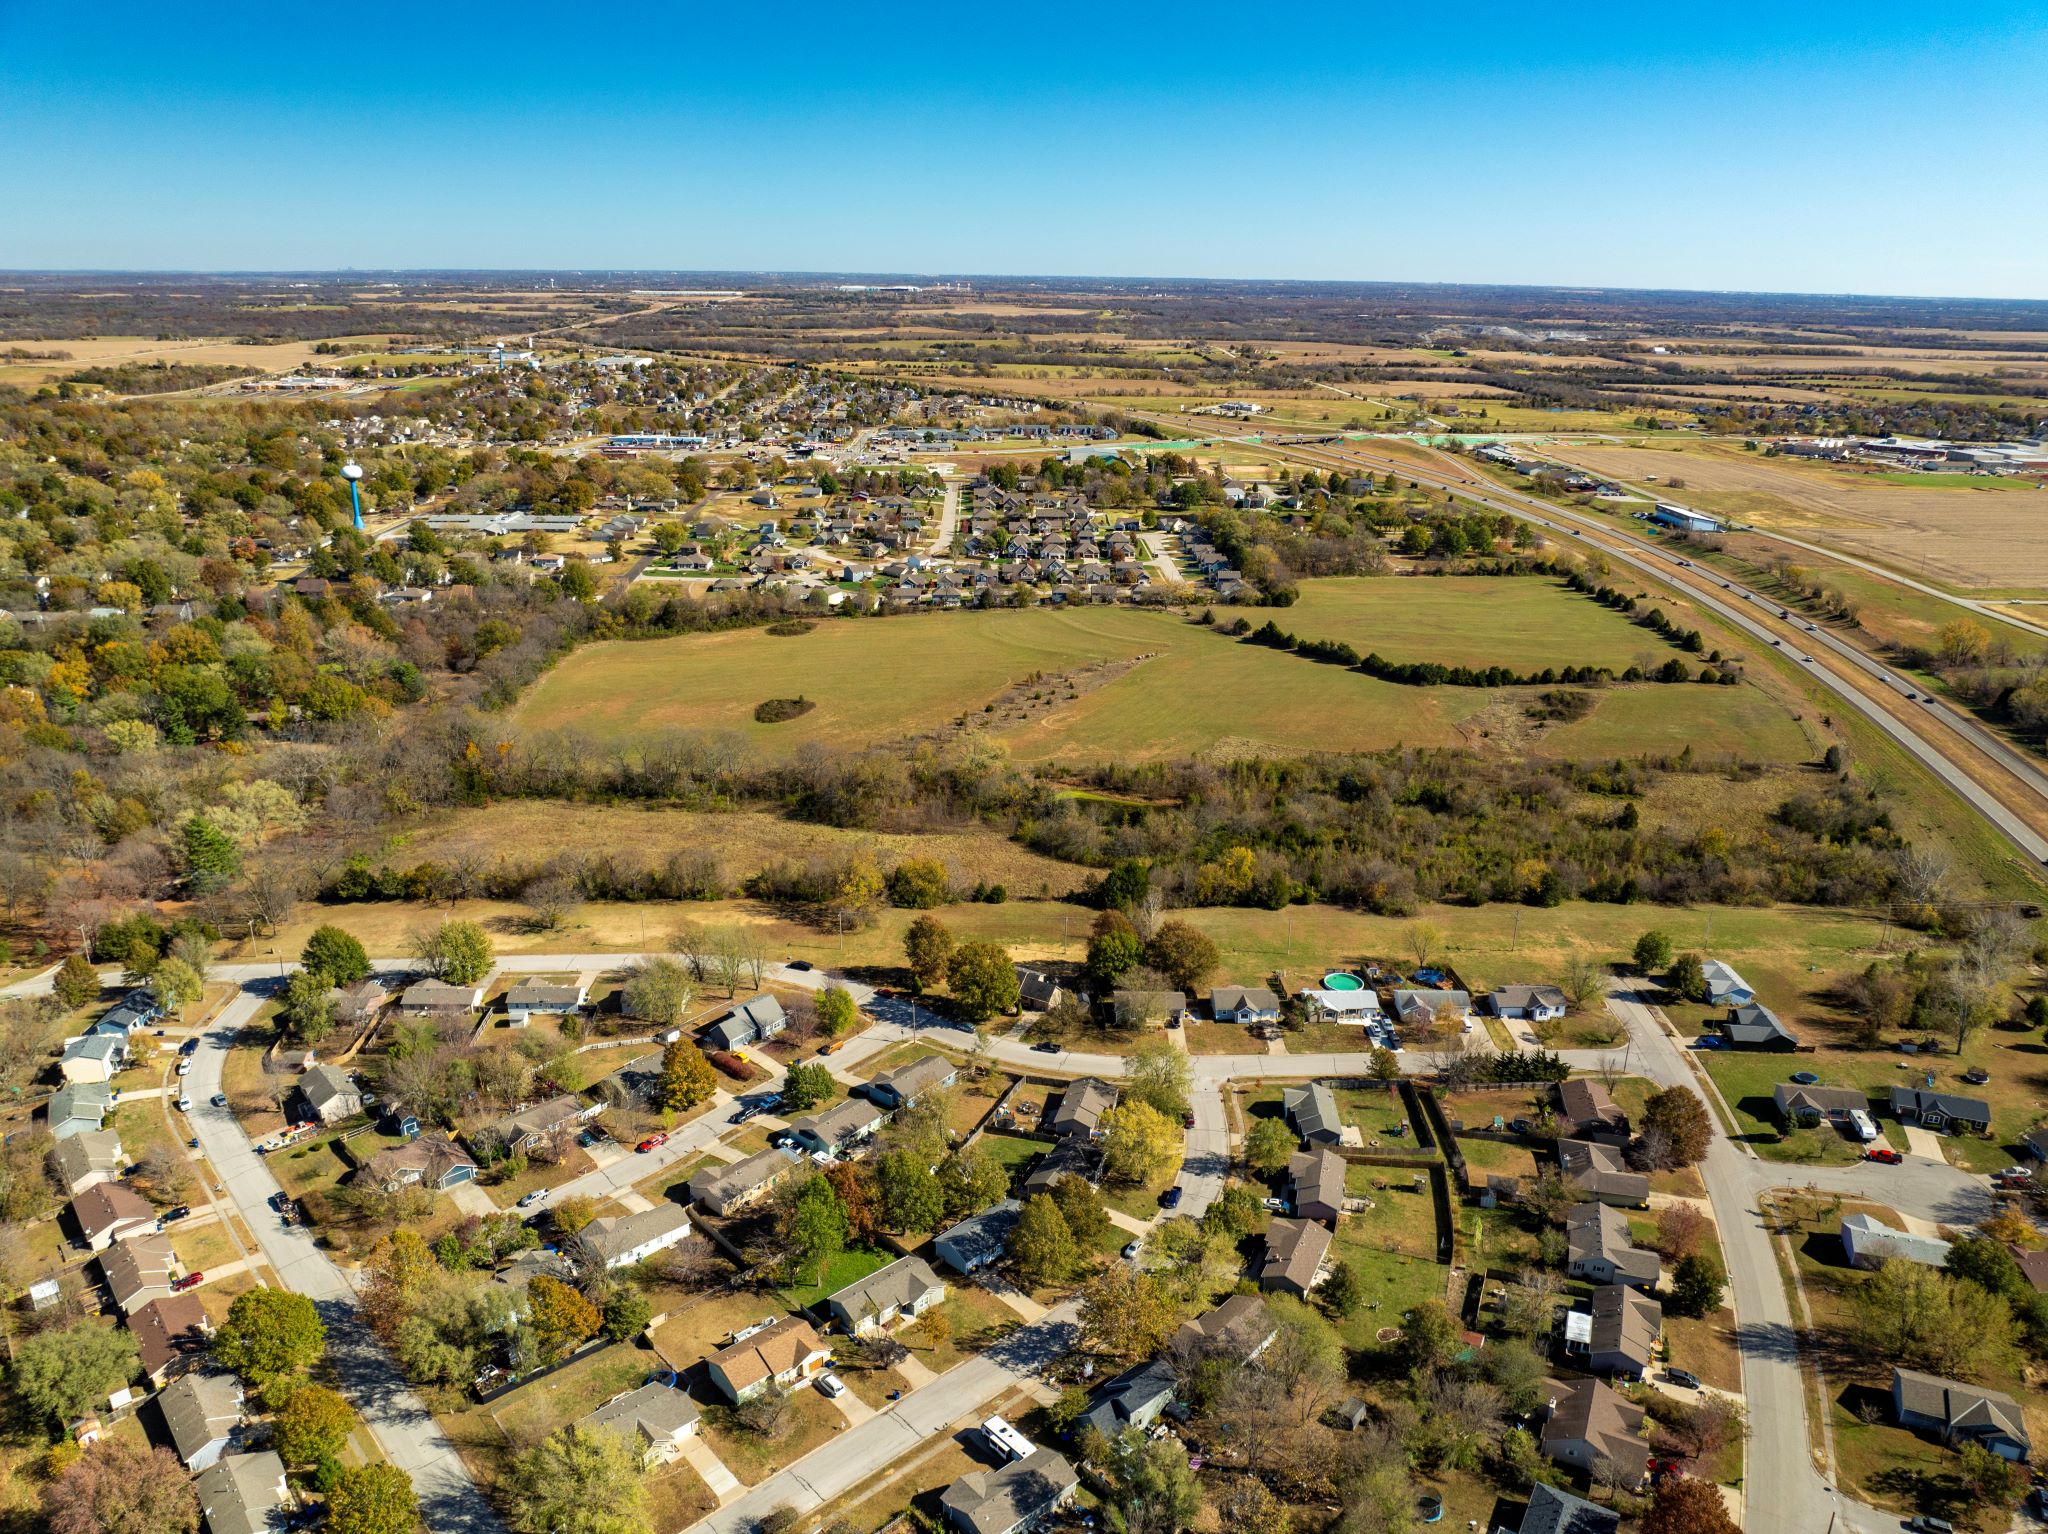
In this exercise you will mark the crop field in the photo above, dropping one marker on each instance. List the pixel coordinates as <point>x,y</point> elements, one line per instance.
<point>1973,531</point>
<point>113,351</point>
<point>1090,683</point>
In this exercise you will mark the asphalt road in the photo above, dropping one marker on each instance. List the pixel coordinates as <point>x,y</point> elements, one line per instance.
<point>401,1424</point>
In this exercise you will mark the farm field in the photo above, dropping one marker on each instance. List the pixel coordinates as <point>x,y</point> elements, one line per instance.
<point>1088,684</point>
<point>1972,531</point>
<point>115,351</point>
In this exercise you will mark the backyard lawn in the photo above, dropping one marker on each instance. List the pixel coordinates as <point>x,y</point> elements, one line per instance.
<point>848,1267</point>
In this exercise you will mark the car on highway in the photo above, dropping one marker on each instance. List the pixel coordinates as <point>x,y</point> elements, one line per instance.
<point>1170,1199</point>
<point>1813,628</point>
<point>189,1281</point>
<point>528,1200</point>
<point>1884,1154</point>
<point>652,1142</point>
<point>1684,1378</point>
<point>219,1099</point>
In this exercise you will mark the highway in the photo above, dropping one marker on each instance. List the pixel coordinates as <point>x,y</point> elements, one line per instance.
<point>1757,616</point>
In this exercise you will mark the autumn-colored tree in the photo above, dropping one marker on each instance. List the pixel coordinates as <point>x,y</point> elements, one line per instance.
<point>573,1213</point>
<point>1139,1143</point>
<point>1677,1120</point>
<point>1125,1314</point>
<point>929,947</point>
<point>934,1328</point>
<point>312,1426</point>
<point>120,1487</point>
<point>1687,1505</point>
<point>269,1336</point>
<point>561,1318</point>
<point>854,1182</point>
<point>77,982</point>
<point>372,1499</point>
<point>1042,1246</point>
<point>1268,1144</point>
<point>686,1076</point>
<point>983,980</point>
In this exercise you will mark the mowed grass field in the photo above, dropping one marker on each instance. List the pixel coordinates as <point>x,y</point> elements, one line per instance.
<point>1185,691</point>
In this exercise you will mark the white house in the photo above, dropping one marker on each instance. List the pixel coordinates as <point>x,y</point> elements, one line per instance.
<point>1724,986</point>
<point>1244,1004</point>
<point>620,1240</point>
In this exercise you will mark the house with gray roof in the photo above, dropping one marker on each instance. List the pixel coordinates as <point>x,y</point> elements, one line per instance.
<point>1808,1106</point>
<point>1589,1427</point>
<point>1626,1325</point>
<point>239,1493</point>
<point>1957,1412</point>
<point>1241,1328</point>
<point>330,1094</point>
<point>427,1161</point>
<point>1753,1026</point>
<point>903,1290</point>
<point>1244,1004</point>
<point>978,1240</point>
<point>839,1128</point>
<point>1528,1003</point>
<point>1315,1184</point>
<point>620,1240</point>
<point>201,1413</point>
<point>1597,1172</point>
<point>79,1106</point>
<point>905,1083</point>
<point>757,1018</point>
<point>1725,988</point>
<point>654,1420</point>
<point>81,1161</point>
<point>93,1057</point>
<point>723,1189</point>
<point>1869,1242</point>
<point>547,998</point>
<point>1036,990</point>
<point>427,998</point>
<point>1598,1247</point>
<point>1081,1107</point>
<point>1311,1112</point>
<point>1012,1498</point>
<point>1552,1511</point>
<point>1950,1112</point>
<point>530,1126</point>
<point>1134,1399</point>
<point>1431,1009</point>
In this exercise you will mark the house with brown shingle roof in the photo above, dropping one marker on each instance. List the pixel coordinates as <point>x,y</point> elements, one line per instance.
<point>427,1161</point>
<point>170,1334</point>
<point>1589,1426</point>
<point>83,1160</point>
<point>139,1270</point>
<point>1295,1250</point>
<point>1584,1106</point>
<point>787,1352</point>
<point>110,1211</point>
<point>1315,1184</point>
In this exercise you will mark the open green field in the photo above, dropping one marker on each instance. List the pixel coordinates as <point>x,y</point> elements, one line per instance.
<point>1090,683</point>
<point>1471,620</point>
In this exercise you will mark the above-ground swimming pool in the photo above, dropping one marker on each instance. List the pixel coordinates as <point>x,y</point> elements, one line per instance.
<point>1337,980</point>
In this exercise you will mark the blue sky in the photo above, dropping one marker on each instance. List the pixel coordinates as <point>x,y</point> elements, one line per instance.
<point>1875,149</point>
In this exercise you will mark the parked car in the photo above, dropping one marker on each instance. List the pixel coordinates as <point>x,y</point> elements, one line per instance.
<point>1883,1153</point>
<point>1682,1377</point>
<point>1923,1524</point>
<point>280,1199</point>
<point>528,1200</point>
<point>175,1212</point>
<point>1132,1249</point>
<point>189,1281</point>
<point>831,1386</point>
<point>189,1047</point>
<point>2013,1177</point>
<point>802,965</point>
<point>652,1142</point>
<point>220,1099</point>
<point>738,1115</point>
<point>592,1136</point>
<point>1170,1199</point>
<point>184,1068</point>
<point>831,1046</point>
<point>1187,1119</point>
<point>1173,1022</point>
<point>184,1103</point>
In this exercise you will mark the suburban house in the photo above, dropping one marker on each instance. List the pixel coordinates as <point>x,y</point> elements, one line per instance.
<point>1138,1009</point>
<point>239,1493</point>
<point>81,1161</point>
<point>978,1240</point>
<point>1621,1329</point>
<point>1954,1411</point>
<point>1946,1111</point>
<point>170,1334</point>
<point>653,1420</point>
<point>1725,988</point>
<point>1808,1106</point>
<point>530,1126</point>
<point>1239,1328</point>
<point>1012,1498</point>
<point>1528,1003</point>
<point>201,1413</point>
<point>1036,990</point>
<point>1559,1512</point>
<point>1315,1184</point>
<point>634,1084</point>
<point>428,1161</point>
<point>1432,1009</point>
<point>2035,1143</point>
<point>620,1240</point>
<point>110,1211</point>
<point>78,1106</point>
<point>93,1057</point>
<point>723,1189</point>
<point>838,1127</point>
<point>130,1015</point>
<point>1598,1247</point>
<point>1589,1425</point>
<point>1311,1112</point>
<point>139,1270</point>
<point>1754,1026</point>
<point>906,1288</point>
<point>1597,1172</point>
<point>749,1022</point>
<point>1134,1399</point>
<point>329,1093</point>
<point>1869,1243</point>
<point>1361,1006</point>
<point>900,1084</point>
<point>1295,1250</point>
<point>426,998</point>
<point>1075,1156</point>
<point>531,996</point>
<point>1244,1004</point>
<point>1081,1107</point>
<point>787,1351</point>
<point>1590,1114</point>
